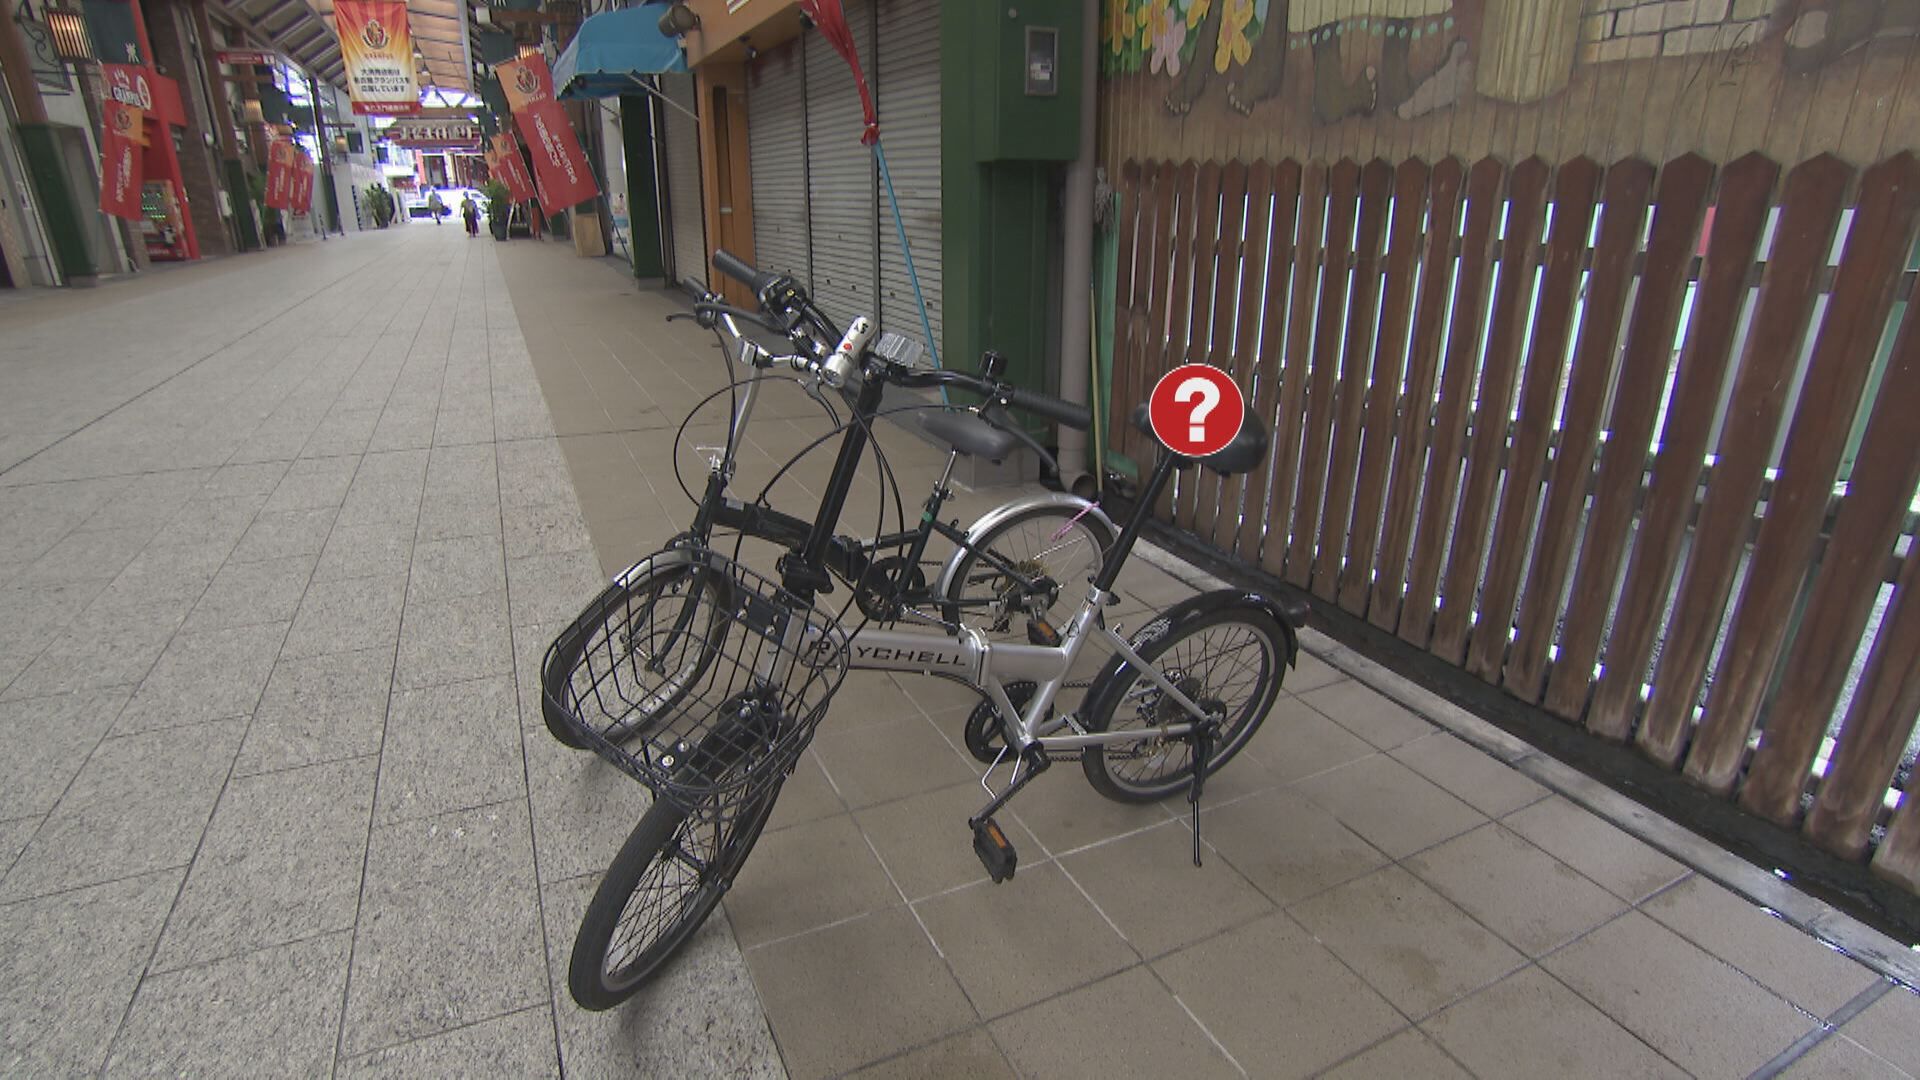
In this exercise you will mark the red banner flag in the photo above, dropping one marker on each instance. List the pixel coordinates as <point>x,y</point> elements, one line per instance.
<point>526,82</point>
<point>303,185</point>
<point>280,175</point>
<point>558,163</point>
<point>511,169</point>
<point>123,128</point>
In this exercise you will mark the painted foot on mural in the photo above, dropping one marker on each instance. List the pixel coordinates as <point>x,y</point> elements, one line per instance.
<point>1442,89</point>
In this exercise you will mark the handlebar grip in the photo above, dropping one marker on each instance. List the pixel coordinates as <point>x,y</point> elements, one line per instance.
<point>736,268</point>
<point>1078,417</point>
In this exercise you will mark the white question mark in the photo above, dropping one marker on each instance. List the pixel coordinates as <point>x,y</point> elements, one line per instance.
<point>1209,395</point>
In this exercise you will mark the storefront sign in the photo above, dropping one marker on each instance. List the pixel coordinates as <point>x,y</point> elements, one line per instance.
<point>378,50</point>
<point>434,133</point>
<point>123,133</point>
<point>245,57</point>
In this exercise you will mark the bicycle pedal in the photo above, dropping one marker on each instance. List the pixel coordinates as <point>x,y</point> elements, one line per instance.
<point>995,850</point>
<point>1041,632</point>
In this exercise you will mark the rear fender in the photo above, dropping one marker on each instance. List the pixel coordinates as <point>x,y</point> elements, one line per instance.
<point>990,519</point>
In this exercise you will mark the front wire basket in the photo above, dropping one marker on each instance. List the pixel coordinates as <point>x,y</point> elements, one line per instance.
<point>699,677</point>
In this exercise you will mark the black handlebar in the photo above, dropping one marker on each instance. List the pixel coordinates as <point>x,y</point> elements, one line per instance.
<point>1077,417</point>
<point>736,268</point>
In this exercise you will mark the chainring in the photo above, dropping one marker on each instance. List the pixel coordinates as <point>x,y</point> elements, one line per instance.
<point>885,582</point>
<point>984,738</point>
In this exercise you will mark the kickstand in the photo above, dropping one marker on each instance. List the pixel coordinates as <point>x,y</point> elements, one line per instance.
<point>1202,754</point>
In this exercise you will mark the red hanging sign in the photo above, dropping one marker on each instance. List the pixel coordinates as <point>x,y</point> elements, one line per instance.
<point>511,169</point>
<point>303,184</point>
<point>376,45</point>
<point>123,132</point>
<point>526,82</point>
<point>280,175</point>
<point>558,163</point>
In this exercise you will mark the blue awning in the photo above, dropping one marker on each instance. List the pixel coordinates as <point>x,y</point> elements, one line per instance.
<point>612,50</point>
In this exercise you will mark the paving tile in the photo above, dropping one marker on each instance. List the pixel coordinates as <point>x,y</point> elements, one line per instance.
<point>1147,884</point>
<point>1776,955</point>
<point>1022,959</point>
<point>347,616</point>
<point>280,862</point>
<point>1065,814</point>
<point>446,517</point>
<point>1529,1025</point>
<point>855,993</point>
<point>319,708</point>
<point>449,569</point>
<point>1309,1011</point>
<point>547,528</point>
<point>1407,1054</point>
<point>165,573</point>
<point>699,1016</point>
<point>1076,1034</point>
<point>1368,713</point>
<point>889,760</point>
<point>71,963</point>
<point>807,796</point>
<point>447,934</point>
<point>462,469</point>
<point>450,747</point>
<point>1622,864</point>
<point>970,1054</point>
<point>1532,900</point>
<point>1409,944</point>
<point>1389,805</point>
<point>369,503</point>
<point>519,1044</point>
<point>85,555</point>
<point>47,741</point>
<point>313,484</point>
<point>455,640</point>
<point>583,807</point>
<point>277,534</point>
<point>1690,1006</point>
<point>257,478</point>
<point>13,839</point>
<point>248,594</point>
<point>1890,1027</point>
<point>552,588</point>
<point>1840,1058</point>
<point>378,549</point>
<point>1473,777</point>
<point>204,675</point>
<point>1287,847</point>
<point>139,804</point>
<point>804,878</point>
<point>101,648</point>
<point>1297,741</point>
<point>214,524</point>
<point>271,1011</point>
<point>530,644</point>
<point>924,840</point>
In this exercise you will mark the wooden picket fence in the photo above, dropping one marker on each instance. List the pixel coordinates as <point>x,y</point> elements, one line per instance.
<point>1492,439</point>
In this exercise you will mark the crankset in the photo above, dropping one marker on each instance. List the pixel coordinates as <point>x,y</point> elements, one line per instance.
<point>879,590</point>
<point>984,738</point>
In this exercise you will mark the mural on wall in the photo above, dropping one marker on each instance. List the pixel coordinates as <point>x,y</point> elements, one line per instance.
<point>1411,58</point>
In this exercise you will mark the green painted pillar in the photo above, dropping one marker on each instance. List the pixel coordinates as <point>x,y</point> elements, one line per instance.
<point>643,196</point>
<point>59,208</point>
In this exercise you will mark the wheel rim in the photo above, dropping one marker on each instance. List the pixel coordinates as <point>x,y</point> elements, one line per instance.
<point>681,880</point>
<point>1229,666</point>
<point>1064,549</point>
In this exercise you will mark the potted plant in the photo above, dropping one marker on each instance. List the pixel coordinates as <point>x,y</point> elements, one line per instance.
<point>499,207</point>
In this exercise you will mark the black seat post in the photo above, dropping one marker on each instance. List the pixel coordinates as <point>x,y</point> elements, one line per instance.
<point>1142,507</point>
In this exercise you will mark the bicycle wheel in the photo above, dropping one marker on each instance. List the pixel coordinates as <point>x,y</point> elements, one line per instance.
<point>659,890</point>
<point>1229,658</point>
<point>1051,542</point>
<point>647,641</point>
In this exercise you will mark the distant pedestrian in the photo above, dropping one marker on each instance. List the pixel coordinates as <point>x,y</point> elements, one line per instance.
<point>470,210</point>
<point>435,207</point>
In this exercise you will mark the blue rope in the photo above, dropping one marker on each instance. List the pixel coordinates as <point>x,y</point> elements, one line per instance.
<point>900,232</point>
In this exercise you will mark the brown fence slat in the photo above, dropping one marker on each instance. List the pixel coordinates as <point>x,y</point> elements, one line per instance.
<point>1740,216</point>
<point>1845,587</point>
<point>1423,369</point>
<point>1376,188</point>
<point>1186,224</point>
<point>1810,210</point>
<point>1342,205</point>
<point>1456,391</point>
<point>1575,188</point>
<point>1875,732</point>
<point>1262,515</point>
<point>1628,186</point>
<point>1198,511</point>
<point>1129,287</point>
<point>1898,857</point>
<point>1877,245</point>
<point>1206,271</point>
<point>1257,221</point>
<point>1149,343</point>
<point>1283,519</point>
<point>1383,397</point>
<point>1679,203</point>
<point>1486,446</point>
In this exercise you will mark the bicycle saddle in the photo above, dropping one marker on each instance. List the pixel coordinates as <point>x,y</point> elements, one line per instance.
<point>966,433</point>
<point>1243,453</point>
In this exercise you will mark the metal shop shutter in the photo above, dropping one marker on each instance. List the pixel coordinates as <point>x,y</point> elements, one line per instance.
<point>777,155</point>
<point>840,175</point>
<point>909,99</point>
<point>685,220</point>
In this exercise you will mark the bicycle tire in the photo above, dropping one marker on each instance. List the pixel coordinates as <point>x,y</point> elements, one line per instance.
<point>1070,562</point>
<point>654,842</point>
<point>1198,678</point>
<point>630,601</point>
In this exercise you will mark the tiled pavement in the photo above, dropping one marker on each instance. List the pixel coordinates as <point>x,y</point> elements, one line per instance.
<point>281,539</point>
